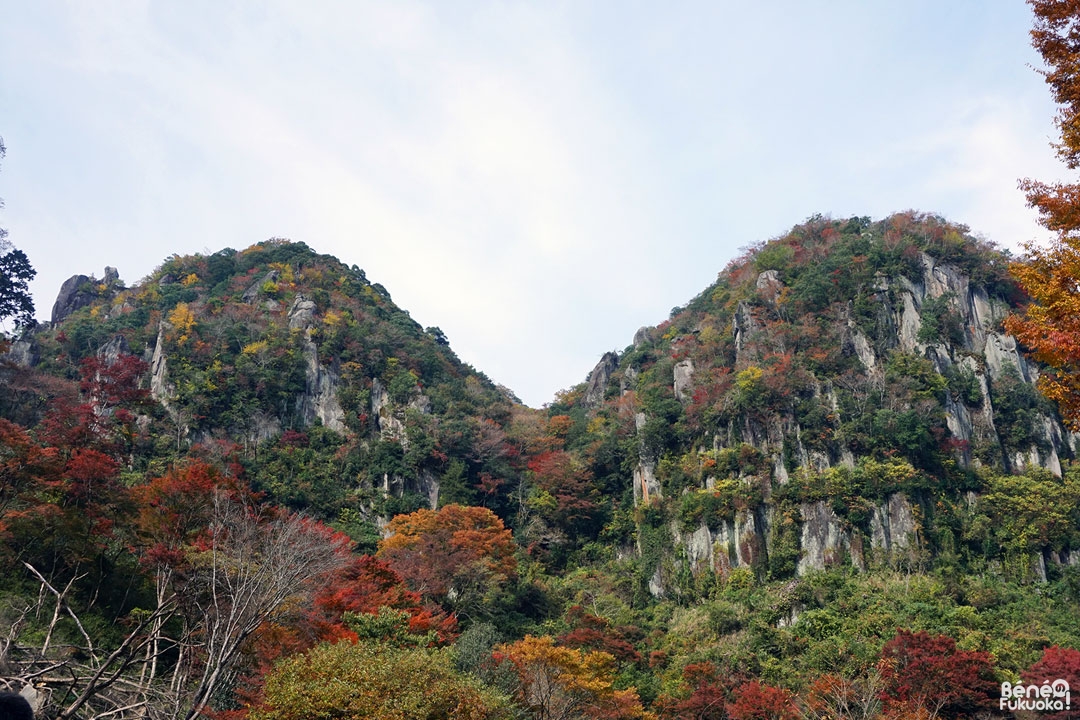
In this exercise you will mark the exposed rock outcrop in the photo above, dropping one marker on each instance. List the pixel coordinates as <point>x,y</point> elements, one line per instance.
<point>79,291</point>
<point>255,289</point>
<point>74,294</point>
<point>319,401</point>
<point>20,354</point>
<point>682,384</point>
<point>596,385</point>
<point>936,314</point>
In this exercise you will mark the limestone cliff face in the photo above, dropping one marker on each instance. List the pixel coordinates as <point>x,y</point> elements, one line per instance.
<point>319,400</point>
<point>391,420</point>
<point>967,374</point>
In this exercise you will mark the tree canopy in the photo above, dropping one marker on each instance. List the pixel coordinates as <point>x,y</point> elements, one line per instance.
<point>1050,328</point>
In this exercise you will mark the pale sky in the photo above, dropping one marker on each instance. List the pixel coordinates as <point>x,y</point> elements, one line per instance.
<point>537,179</point>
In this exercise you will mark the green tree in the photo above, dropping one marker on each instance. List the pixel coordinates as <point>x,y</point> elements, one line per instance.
<point>15,275</point>
<point>350,681</point>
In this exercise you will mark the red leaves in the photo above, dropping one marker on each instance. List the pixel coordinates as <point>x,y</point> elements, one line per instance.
<point>439,552</point>
<point>707,697</point>
<point>560,474</point>
<point>929,672</point>
<point>364,586</point>
<point>116,383</point>
<point>591,632</point>
<point>757,701</point>
<point>175,508</point>
<point>88,467</point>
<point>1056,663</point>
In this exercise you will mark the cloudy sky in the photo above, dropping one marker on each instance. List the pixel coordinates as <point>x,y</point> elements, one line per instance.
<point>539,179</point>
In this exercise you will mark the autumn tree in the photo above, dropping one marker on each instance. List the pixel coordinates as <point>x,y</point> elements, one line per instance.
<point>1050,327</point>
<point>368,585</point>
<point>925,673</point>
<point>1056,663</point>
<point>561,683</point>
<point>591,632</point>
<point>757,701</point>
<point>458,555</point>
<point>252,563</point>
<point>705,695</point>
<point>834,697</point>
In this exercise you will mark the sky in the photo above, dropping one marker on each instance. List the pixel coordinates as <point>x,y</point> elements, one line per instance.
<point>537,179</point>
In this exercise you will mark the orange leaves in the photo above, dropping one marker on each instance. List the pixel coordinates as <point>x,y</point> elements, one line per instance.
<point>1050,327</point>
<point>365,585</point>
<point>440,553</point>
<point>558,683</point>
<point>757,701</point>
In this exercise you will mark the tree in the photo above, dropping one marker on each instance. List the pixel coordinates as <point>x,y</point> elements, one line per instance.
<point>1056,663</point>
<point>834,697</point>
<point>706,698</point>
<point>928,674</point>
<point>15,274</point>
<point>254,562</point>
<point>352,681</point>
<point>457,556</point>
<point>1050,327</point>
<point>560,683</point>
<point>368,585</point>
<point>756,701</point>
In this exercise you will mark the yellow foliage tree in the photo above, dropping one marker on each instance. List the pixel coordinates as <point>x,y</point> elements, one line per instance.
<point>561,683</point>
<point>183,321</point>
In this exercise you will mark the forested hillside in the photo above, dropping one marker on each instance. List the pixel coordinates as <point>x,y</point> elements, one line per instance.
<point>249,485</point>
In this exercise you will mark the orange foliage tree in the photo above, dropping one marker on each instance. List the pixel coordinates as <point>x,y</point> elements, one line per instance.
<point>757,701</point>
<point>561,683</point>
<point>455,556</point>
<point>1050,327</point>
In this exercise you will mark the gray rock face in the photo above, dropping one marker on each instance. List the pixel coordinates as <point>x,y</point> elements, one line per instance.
<point>824,541</point>
<point>769,285</point>
<point>110,352</point>
<point>722,545</point>
<point>20,354</point>
<point>319,400</point>
<point>643,335</point>
<point>684,374</point>
<point>598,379</point>
<point>972,362</point>
<point>73,295</point>
<point>79,291</point>
<point>252,293</point>
<point>646,484</point>
<point>893,527</point>
<point>389,425</point>
<point>160,388</point>
<point>392,427</point>
<point>743,326</point>
<point>302,313</point>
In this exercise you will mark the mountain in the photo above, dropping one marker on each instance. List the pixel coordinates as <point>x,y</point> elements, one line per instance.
<point>830,461</point>
<point>837,397</point>
<point>330,394</point>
